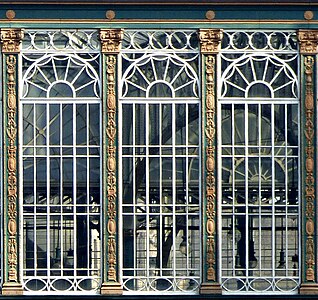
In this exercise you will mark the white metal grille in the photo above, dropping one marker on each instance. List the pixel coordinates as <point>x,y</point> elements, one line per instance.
<point>160,159</point>
<point>259,126</point>
<point>61,182</point>
<point>60,41</point>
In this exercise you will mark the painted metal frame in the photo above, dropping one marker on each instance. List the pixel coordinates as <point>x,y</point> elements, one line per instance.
<point>151,58</point>
<point>60,72</point>
<point>240,54</point>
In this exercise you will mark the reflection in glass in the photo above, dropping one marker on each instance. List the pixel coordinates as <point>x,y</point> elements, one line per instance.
<point>259,154</point>
<point>61,182</point>
<point>160,175</point>
<point>260,180</point>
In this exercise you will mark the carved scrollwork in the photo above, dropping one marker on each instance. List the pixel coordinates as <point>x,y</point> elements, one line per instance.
<point>210,44</point>
<point>210,166</point>
<point>11,40</point>
<point>111,131</point>
<point>11,131</point>
<point>210,40</point>
<point>310,166</point>
<point>308,41</point>
<point>111,40</point>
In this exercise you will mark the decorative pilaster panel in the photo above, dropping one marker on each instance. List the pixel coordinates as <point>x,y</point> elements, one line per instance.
<point>308,41</point>
<point>11,40</point>
<point>210,44</point>
<point>111,42</point>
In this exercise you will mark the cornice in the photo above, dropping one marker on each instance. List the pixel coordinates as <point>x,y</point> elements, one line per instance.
<point>162,2</point>
<point>115,23</point>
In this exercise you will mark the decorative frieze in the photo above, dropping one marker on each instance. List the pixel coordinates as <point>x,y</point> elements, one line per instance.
<point>11,40</point>
<point>308,41</point>
<point>111,40</point>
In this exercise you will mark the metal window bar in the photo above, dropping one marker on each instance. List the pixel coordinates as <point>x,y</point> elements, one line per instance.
<point>155,154</point>
<point>70,265</point>
<point>255,278</point>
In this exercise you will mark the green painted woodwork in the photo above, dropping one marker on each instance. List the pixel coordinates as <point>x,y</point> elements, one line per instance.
<point>154,13</point>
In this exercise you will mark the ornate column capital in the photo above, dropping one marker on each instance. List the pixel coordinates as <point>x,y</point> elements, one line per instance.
<point>11,39</point>
<point>111,40</point>
<point>308,41</point>
<point>210,40</point>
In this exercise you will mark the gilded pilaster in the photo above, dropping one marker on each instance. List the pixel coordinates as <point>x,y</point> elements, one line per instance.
<point>11,41</point>
<point>308,42</point>
<point>210,44</point>
<point>111,42</point>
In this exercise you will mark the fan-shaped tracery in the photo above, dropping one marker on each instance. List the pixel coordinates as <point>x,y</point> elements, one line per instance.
<point>255,76</point>
<point>258,105</point>
<point>60,180</point>
<point>160,75</point>
<point>56,75</point>
<point>159,107</point>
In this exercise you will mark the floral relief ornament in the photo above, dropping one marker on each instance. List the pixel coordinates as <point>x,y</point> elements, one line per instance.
<point>111,40</point>
<point>11,40</point>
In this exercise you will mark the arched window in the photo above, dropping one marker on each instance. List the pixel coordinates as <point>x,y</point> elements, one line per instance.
<point>259,153</point>
<point>60,146</point>
<point>160,162</point>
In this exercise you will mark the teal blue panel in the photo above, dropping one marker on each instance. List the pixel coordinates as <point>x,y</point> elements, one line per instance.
<point>158,12</point>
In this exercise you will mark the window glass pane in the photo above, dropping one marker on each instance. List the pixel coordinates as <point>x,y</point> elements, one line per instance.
<point>160,173</point>
<point>259,103</point>
<point>61,158</point>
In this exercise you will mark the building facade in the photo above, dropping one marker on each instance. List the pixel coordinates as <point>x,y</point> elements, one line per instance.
<point>159,148</point>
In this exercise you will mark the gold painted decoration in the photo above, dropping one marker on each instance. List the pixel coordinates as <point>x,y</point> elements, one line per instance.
<point>210,166</point>
<point>308,15</point>
<point>210,15</point>
<point>111,40</point>
<point>308,41</point>
<point>10,14</point>
<point>111,131</point>
<point>309,170</point>
<point>110,15</point>
<point>11,40</point>
<point>210,40</point>
<point>111,44</point>
<point>12,193</point>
